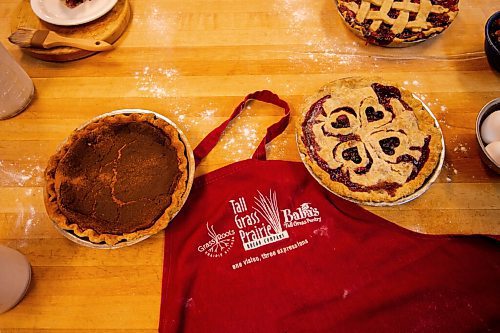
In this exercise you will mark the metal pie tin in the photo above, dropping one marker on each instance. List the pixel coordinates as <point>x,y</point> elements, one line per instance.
<point>190,167</point>
<point>425,186</point>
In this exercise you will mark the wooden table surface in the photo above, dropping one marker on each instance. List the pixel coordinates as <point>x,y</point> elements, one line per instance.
<point>193,61</point>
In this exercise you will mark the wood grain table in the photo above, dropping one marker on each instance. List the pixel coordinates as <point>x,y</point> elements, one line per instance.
<point>193,61</point>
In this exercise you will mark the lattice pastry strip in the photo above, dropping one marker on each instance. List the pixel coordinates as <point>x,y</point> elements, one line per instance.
<point>364,12</point>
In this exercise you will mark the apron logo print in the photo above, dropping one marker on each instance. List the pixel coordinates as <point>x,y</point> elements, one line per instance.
<point>256,231</point>
<point>304,214</point>
<point>219,244</point>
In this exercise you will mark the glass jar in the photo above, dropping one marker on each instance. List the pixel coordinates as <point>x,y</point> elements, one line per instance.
<point>16,87</point>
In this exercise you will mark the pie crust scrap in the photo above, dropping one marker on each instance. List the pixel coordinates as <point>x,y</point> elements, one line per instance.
<point>73,3</point>
<point>368,140</point>
<point>118,178</point>
<point>397,23</point>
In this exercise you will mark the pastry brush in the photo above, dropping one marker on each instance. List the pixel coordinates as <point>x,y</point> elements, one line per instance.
<point>46,39</point>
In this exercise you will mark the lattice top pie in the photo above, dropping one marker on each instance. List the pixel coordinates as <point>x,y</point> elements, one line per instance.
<point>396,23</point>
<point>368,140</point>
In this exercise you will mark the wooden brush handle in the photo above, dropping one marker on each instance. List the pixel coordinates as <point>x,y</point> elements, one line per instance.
<point>54,40</point>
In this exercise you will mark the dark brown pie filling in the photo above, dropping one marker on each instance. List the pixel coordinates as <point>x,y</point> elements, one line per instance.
<point>118,178</point>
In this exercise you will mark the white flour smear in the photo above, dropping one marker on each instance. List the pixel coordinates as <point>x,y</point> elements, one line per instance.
<point>26,174</point>
<point>157,82</point>
<point>21,173</point>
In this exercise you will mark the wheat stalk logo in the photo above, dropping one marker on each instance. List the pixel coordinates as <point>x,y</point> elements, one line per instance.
<point>219,244</point>
<point>268,208</point>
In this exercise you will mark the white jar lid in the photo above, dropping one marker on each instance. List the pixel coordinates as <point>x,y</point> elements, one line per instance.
<point>15,277</point>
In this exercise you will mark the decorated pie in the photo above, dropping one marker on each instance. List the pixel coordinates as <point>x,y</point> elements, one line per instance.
<point>368,140</point>
<point>397,23</point>
<point>118,178</point>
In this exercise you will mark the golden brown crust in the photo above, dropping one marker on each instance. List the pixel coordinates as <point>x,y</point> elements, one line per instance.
<point>365,22</point>
<point>51,189</point>
<point>426,124</point>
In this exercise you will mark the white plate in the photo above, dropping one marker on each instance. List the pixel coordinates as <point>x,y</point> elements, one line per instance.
<point>56,11</point>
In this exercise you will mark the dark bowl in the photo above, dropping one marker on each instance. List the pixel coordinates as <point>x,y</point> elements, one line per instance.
<point>488,109</point>
<point>491,47</point>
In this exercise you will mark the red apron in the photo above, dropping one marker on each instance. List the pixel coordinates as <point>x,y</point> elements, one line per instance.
<point>260,246</point>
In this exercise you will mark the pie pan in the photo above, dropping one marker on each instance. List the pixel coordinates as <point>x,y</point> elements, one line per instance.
<point>190,166</point>
<point>425,186</point>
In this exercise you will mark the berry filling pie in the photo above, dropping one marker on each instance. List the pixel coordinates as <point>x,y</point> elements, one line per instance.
<point>397,23</point>
<point>368,140</point>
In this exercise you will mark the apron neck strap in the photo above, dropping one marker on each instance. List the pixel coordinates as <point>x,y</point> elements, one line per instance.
<point>209,142</point>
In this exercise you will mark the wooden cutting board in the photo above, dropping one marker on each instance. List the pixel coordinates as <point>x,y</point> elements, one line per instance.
<point>108,28</point>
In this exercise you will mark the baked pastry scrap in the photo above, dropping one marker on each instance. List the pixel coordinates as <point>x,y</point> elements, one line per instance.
<point>368,140</point>
<point>119,178</point>
<point>397,23</point>
<point>74,3</point>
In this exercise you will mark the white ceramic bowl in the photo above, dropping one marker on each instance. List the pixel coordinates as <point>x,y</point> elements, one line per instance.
<point>489,108</point>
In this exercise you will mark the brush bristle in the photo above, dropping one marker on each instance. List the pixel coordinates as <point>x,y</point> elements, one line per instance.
<point>22,37</point>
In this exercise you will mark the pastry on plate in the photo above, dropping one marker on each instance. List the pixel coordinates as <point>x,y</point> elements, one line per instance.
<point>368,140</point>
<point>73,3</point>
